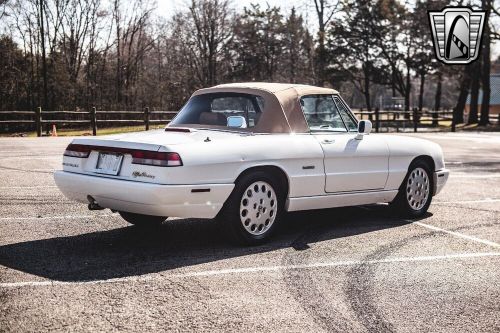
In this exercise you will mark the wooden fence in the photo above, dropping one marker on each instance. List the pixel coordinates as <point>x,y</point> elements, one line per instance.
<point>39,118</point>
<point>402,120</point>
<point>382,120</point>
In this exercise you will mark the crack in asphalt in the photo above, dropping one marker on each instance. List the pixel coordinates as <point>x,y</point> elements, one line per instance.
<point>25,170</point>
<point>360,286</point>
<point>302,286</point>
<point>472,208</point>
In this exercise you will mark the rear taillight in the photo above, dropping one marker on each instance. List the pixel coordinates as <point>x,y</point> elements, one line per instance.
<point>155,158</point>
<point>145,157</point>
<point>74,150</point>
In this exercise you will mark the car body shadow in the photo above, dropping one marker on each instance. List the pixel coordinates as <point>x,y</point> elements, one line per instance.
<point>130,251</point>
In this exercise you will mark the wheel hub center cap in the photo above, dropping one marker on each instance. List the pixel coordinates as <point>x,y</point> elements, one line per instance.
<point>258,208</point>
<point>418,189</point>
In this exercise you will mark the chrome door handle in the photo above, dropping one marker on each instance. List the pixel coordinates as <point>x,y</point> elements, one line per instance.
<point>328,141</point>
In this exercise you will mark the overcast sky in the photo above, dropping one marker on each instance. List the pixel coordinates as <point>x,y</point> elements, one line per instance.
<point>306,7</point>
<point>167,8</point>
<point>164,6</point>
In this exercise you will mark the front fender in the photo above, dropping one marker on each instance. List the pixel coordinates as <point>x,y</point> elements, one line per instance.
<point>403,150</point>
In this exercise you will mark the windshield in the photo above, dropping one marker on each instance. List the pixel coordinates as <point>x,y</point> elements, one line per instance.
<point>227,110</point>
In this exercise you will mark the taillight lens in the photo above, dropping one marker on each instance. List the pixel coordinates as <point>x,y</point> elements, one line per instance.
<point>156,158</point>
<point>145,157</point>
<point>74,150</point>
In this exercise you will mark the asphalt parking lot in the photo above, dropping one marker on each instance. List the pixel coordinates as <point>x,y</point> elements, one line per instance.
<point>65,268</point>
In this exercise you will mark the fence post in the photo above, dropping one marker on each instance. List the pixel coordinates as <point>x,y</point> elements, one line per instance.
<point>38,121</point>
<point>376,119</point>
<point>93,121</point>
<point>435,115</point>
<point>415,119</point>
<point>453,121</point>
<point>396,120</point>
<point>146,118</point>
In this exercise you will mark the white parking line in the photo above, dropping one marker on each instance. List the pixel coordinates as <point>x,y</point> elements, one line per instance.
<point>25,152</point>
<point>27,187</point>
<point>467,201</point>
<point>477,138</point>
<point>54,217</point>
<point>8,169</point>
<point>34,157</point>
<point>469,169</point>
<point>474,176</point>
<point>458,234</point>
<point>261,269</point>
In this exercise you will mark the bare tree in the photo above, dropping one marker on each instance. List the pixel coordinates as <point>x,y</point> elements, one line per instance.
<point>355,53</point>
<point>41,19</point>
<point>465,82</point>
<point>211,32</point>
<point>474,92</point>
<point>486,5</point>
<point>132,43</point>
<point>117,17</point>
<point>3,8</point>
<point>298,49</point>
<point>325,10</point>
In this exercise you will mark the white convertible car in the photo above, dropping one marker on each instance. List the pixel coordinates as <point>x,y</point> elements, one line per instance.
<point>246,154</point>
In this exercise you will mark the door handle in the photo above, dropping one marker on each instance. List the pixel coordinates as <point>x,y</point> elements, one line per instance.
<point>327,141</point>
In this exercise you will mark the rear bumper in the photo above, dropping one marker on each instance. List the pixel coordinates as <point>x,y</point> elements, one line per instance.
<point>145,198</point>
<point>440,178</point>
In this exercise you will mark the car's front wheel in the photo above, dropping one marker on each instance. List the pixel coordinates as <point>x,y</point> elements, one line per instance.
<point>415,194</point>
<point>143,221</point>
<point>253,209</point>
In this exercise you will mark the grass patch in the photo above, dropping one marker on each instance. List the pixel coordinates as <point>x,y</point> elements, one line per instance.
<point>87,132</point>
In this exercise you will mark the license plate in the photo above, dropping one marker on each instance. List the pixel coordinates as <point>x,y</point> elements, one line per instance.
<point>109,163</point>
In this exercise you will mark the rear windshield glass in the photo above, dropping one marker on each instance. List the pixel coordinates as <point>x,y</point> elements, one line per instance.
<point>231,110</point>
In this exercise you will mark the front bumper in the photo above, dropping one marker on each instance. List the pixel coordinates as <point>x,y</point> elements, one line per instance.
<point>440,178</point>
<point>145,198</point>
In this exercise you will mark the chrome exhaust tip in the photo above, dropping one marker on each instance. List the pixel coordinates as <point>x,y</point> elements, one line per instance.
<point>93,205</point>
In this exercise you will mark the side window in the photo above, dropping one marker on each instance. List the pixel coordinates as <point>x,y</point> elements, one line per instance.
<point>346,115</point>
<point>322,114</point>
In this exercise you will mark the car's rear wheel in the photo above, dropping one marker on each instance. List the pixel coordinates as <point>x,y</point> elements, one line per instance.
<point>143,221</point>
<point>415,194</point>
<point>253,210</point>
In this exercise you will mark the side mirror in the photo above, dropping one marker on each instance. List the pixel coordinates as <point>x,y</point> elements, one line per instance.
<point>364,128</point>
<point>236,121</point>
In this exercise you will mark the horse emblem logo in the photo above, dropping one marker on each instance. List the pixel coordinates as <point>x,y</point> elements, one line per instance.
<point>456,34</point>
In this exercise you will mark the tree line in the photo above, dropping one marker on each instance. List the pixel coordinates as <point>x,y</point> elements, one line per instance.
<point>121,55</point>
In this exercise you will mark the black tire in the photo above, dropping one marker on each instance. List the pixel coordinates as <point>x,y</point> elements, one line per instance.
<point>142,221</point>
<point>406,205</point>
<point>231,219</point>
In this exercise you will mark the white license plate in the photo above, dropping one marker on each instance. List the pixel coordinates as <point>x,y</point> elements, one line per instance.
<point>109,163</point>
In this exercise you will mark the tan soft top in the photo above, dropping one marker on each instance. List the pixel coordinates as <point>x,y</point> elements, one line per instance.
<point>301,89</point>
<point>282,111</point>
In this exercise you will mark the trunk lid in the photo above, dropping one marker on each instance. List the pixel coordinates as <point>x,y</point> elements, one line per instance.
<point>152,141</point>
